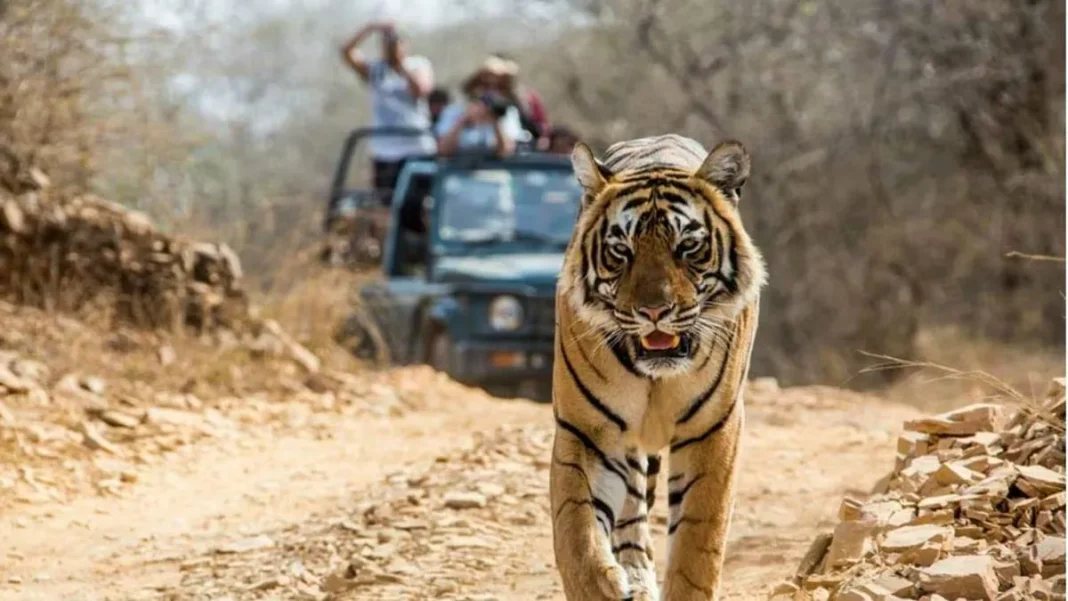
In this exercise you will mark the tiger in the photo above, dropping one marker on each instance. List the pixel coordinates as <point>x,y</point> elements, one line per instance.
<point>656,312</point>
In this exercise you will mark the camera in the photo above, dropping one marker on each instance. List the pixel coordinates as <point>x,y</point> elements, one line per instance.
<point>498,106</point>
<point>391,36</point>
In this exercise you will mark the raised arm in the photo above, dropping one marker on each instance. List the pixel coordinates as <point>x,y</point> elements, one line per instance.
<point>418,73</point>
<point>351,54</point>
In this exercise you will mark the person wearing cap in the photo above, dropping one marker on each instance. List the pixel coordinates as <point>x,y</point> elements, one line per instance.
<point>399,85</point>
<point>484,119</point>
<point>532,113</point>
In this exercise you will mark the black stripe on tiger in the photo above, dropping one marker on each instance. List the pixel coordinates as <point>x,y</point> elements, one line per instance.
<point>588,395</point>
<point>594,502</point>
<point>628,546</point>
<point>678,446</point>
<point>610,516</point>
<point>708,357</point>
<point>699,402</point>
<point>634,465</point>
<point>684,520</point>
<point>620,351</point>
<point>654,466</point>
<point>613,466</point>
<point>650,482</point>
<point>634,203</point>
<point>632,521</point>
<point>676,497</point>
<point>591,364</point>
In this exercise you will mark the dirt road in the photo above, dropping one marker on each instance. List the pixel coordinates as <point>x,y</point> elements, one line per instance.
<point>446,503</point>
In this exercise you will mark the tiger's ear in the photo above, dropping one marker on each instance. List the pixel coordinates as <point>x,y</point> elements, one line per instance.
<point>727,168</point>
<point>591,174</point>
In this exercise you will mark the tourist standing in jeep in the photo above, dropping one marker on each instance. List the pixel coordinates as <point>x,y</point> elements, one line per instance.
<point>399,85</point>
<point>484,119</point>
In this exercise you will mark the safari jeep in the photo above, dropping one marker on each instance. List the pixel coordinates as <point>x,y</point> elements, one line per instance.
<point>470,267</point>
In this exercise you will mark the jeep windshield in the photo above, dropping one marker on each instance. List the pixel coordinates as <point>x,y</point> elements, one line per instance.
<point>515,209</point>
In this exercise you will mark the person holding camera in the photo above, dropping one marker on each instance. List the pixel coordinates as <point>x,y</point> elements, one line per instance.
<point>532,114</point>
<point>484,120</point>
<point>400,84</point>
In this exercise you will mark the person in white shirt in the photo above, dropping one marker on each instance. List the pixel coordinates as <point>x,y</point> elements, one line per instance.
<point>399,85</point>
<point>484,119</point>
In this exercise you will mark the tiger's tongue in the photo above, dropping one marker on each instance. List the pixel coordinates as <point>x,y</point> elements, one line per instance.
<point>660,341</point>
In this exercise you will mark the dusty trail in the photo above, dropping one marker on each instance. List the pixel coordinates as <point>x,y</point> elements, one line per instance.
<point>447,503</point>
<point>123,548</point>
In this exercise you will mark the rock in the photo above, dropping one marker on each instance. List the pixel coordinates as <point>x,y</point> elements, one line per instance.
<point>465,542</point>
<point>889,584</point>
<point>173,417</point>
<point>913,444</point>
<point>13,383</point>
<point>954,473</point>
<point>815,554</point>
<point>855,594</point>
<point>1029,561</point>
<point>254,543</point>
<point>95,440</point>
<point>93,384</point>
<point>337,583</point>
<point>35,371</point>
<point>118,419</point>
<point>166,355</point>
<point>968,576</point>
<point>986,417</point>
<point>851,542</point>
<point>267,584</point>
<point>924,555</point>
<point>490,490</point>
<point>12,217</point>
<point>785,589</point>
<point>1051,552</point>
<point>297,352</point>
<point>464,500</point>
<point>911,537</point>
<point>1039,481</point>
<point>850,510</point>
<point>1006,572</point>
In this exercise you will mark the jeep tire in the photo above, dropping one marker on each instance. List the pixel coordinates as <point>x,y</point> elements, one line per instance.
<point>439,351</point>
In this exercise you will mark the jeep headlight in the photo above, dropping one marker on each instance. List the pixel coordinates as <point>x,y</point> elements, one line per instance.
<point>505,313</point>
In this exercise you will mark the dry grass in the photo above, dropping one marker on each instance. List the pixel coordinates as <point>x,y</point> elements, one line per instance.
<point>996,389</point>
<point>1029,257</point>
<point>311,302</point>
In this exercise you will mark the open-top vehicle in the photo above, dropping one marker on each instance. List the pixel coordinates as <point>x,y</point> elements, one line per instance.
<point>470,268</point>
<point>358,215</point>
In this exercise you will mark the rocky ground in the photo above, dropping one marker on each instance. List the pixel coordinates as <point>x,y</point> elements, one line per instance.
<point>200,472</point>
<point>974,509</point>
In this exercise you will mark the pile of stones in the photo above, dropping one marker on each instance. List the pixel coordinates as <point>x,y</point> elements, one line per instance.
<point>974,509</point>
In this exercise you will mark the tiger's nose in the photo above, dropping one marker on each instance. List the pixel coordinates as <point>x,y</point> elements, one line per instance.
<point>654,313</point>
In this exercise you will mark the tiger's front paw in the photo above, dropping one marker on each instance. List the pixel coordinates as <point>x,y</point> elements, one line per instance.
<point>613,582</point>
<point>643,586</point>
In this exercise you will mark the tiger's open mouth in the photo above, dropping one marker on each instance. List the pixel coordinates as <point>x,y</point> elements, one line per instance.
<point>659,344</point>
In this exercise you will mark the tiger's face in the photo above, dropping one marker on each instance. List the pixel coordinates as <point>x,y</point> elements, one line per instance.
<point>660,263</point>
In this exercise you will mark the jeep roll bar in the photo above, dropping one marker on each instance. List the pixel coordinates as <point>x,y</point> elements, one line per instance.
<point>356,136</point>
<point>341,171</point>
